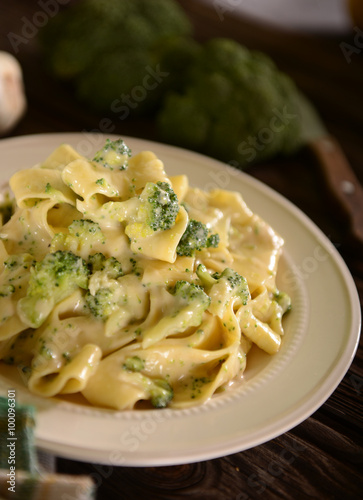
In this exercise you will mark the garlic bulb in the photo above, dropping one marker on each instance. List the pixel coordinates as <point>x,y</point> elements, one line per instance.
<point>12,96</point>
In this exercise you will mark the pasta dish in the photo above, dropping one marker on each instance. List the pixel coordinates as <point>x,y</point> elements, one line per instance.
<point>129,286</point>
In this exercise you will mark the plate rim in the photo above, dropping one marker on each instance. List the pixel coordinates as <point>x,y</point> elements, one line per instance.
<point>294,417</point>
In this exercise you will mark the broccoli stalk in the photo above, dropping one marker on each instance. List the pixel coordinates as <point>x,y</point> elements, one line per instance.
<point>190,302</point>
<point>195,238</point>
<point>53,279</point>
<point>223,287</point>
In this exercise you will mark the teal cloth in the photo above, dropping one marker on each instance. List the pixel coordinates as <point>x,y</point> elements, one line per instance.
<point>18,442</point>
<point>34,475</point>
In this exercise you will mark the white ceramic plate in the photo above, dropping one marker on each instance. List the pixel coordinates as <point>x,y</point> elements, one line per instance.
<point>279,392</point>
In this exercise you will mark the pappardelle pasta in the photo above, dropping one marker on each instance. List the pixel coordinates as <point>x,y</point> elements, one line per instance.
<point>131,287</point>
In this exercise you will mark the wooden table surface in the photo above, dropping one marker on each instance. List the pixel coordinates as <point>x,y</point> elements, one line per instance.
<point>322,457</point>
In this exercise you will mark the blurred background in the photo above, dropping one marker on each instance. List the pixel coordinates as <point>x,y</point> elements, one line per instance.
<point>323,16</point>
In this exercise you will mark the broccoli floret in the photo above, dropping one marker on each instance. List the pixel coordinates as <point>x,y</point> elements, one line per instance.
<point>161,393</point>
<point>134,364</point>
<point>111,266</point>
<point>84,236</point>
<point>222,287</point>
<point>7,207</point>
<point>187,292</point>
<point>103,302</point>
<point>190,302</point>
<point>6,290</point>
<point>113,155</point>
<point>284,300</point>
<point>155,210</point>
<point>104,294</point>
<point>96,262</point>
<point>196,238</point>
<point>205,277</point>
<point>52,279</point>
<point>115,39</point>
<point>159,206</point>
<point>236,106</point>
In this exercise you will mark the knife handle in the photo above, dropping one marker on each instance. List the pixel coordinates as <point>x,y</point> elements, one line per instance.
<point>342,181</point>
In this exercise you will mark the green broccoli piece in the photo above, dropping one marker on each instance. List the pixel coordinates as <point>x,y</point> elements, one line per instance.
<point>159,206</point>
<point>111,266</point>
<point>158,391</point>
<point>6,290</point>
<point>103,302</point>
<point>84,236</point>
<point>52,279</point>
<point>161,393</point>
<point>196,238</point>
<point>113,155</point>
<point>156,209</point>
<point>134,364</point>
<point>104,295</point>
<point>284,300</point>
<point>7,207</point>
<point>222,287</point>
<point>236,106</point>
<point>190,302</point>
<point>120,40</point>
<point>96,262</point>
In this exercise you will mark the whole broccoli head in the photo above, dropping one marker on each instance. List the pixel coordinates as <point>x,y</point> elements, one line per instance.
<point>118,39</point>
<point>52,279</point>
<point>196,238</point>
<point>236,106</point>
